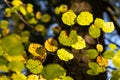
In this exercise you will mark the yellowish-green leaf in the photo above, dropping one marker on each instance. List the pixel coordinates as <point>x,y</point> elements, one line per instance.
<point>29,8</point>
<point>92,72</point>
<point>4,24</point>
<point>16,3</point>
<point>68,39</point>
<point>93,65</point>
<point>57,10</point>
<point>35,66</point>
<point>52,71</point>
<point>16,66</point>
<point>69,17</point>
<point>99,22</point>
<point>108,54</point>
<point>94,31</point>
<point>12,45</point>
<point>116,59</point>
<point>32,21</point>
<point>85,18</point>
<point>64,54</point>
<point>3,68</point>
<point>92,53</point>
<point>39,28</point>
<point>7,12</point>
<point>38,15</point>
<point>45,18</point>
<point>108,27</point>
<point>112,46</point>
<point>4,77</point>
<point>80,44</point>
<point>67,78</point>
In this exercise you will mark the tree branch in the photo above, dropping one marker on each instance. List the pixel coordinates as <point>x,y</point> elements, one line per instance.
<point>7,3</point>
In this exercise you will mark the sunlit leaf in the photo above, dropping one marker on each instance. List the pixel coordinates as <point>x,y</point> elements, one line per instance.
<point>45,18</point>
<point>29,8</point>
<point>99,22</point>
<point>108,27</point>
<point>63,8</point>
<point>18,76</point>
<point>38,51</point>
<point>52,71</point>
<point>116,59</point>
<point>22,10</point>
<point>16,3</point>
<point>64,54</point>
<point>108,54</point>
<point>101,69</point>
<point>69,17</point>
<point>32,21</point>
<point>51,45</point>
<point>35,66</point>
<point>38,15</point>
<point>68,39</point>
<point>80,44</point>
<point>32,77</point>
<point>94,31</point>
<point>4,77</point>
<point>102,61</point>
<point>112,46</point>
<point>85,18</point>
<point>16,66</point>
<point>99,47</point>
<point>13,45</point>
<point>92,53</point>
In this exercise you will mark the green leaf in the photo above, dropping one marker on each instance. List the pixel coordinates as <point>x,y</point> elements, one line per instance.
<point>101,69</point>
<point>67,78</point>
<point>92,53</point>
<point>112,46</point>
<point>16,66</point>
<point>52,71</point>
<point>93,65</point>
<point>35,66</point>
<point>94,31</point>
<point>3,61</point>
<point>64,54</point>
<point>68,39</point>
<point>92,72</point>
<point>12,45</point>
<point>108,54</point>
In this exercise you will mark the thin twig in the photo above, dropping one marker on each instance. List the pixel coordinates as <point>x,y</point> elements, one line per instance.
<point>18,14</point>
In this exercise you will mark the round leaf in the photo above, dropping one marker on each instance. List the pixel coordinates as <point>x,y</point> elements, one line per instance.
<point>94,31</point>
<point>92,53</point>
<point>64,54</point>
<point>52,71</point>
<point>108,54</point>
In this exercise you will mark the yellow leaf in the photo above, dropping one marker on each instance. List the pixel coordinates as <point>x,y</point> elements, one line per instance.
<point>45,18</point>
<point>69,17</point>
<point>57,10</point>
<point>99,47</point>
<point>22,10</point>
<point>63,8</point>
<point>108,27</point>
<point>16,3</point>
<point>38,15</point>
<point>84,18</point>
<point>32,77</point>
<point>102,61</point>
<point>51,45</point>
<point>29,8</point>
<point>80,44</point>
